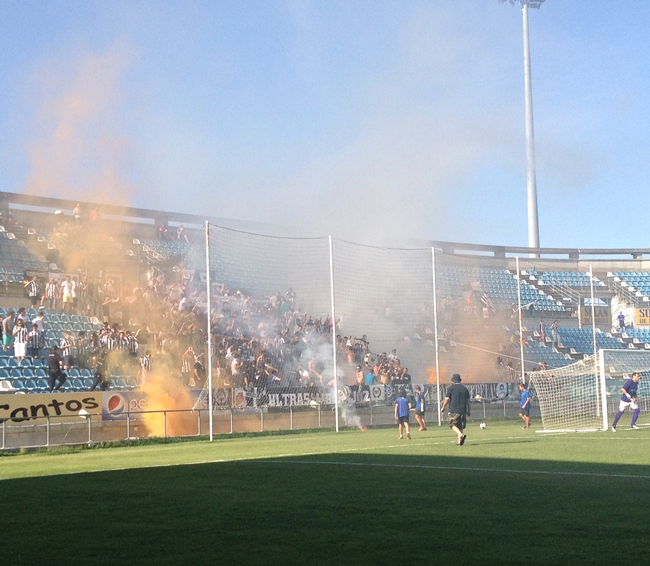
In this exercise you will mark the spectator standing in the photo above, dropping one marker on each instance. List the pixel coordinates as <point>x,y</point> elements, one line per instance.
<point>67,350</point>
<point>621,321</point>
<point>77,214</point>
<point>99,376</point>
<point>34,291</point>
<point>198,375</point>
<point>34,341</point>
<point>67,294</point>
<point>82,305</point>
<point>187,365</point>
<point>50,295</point>
<point>554,335</point>
<point>39,321</point>
<point>8,330</point>
<point>21,335</point>
<point>145,366</point>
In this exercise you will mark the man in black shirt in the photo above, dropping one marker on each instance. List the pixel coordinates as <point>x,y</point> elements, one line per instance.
<point>98,365</point>
<point>458,400</point>
<point>54,363</point>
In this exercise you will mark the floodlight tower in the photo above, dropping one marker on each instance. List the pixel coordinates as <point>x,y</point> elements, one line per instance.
<point>531,182</point>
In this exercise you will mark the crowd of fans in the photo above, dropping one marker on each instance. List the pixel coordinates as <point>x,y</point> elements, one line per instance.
<point>256,343</point>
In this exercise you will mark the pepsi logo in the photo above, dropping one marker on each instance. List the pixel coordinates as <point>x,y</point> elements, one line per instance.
<point>115,404</point>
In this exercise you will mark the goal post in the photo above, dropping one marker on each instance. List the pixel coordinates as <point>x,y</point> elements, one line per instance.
<point>573,398</point>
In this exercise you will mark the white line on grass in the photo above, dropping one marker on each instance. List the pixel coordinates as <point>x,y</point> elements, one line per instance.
<point>364,449</point>
<point>453,468</point>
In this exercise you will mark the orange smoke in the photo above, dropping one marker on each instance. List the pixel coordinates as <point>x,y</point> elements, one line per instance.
<point>165,394</point>
<point>431,372</point>
<point>77,150</point>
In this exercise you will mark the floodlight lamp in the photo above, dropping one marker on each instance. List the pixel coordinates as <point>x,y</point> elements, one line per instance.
<point>530,3</point>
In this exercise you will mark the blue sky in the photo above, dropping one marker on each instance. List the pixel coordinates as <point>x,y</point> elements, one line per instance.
<point>369,120</point>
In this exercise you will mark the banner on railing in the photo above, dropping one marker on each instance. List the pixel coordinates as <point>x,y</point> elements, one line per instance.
<point>61,407</point>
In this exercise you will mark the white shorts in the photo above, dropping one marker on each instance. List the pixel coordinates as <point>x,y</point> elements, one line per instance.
<point>20,349</point>
<point>625,404</point>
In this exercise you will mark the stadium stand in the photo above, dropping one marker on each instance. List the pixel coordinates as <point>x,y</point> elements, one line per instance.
<point>140,249</point>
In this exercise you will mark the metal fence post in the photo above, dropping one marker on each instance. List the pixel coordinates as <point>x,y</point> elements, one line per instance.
<point>4,432</point>
<point>47,428</point>
<point>165,424</point>
<point>504,407</point>
<point>89,419</point>
<point>198,426</point>
<point>290,417</point>
<point>261,420</point>
<point>128,425</point>
<point>371,415</point>
<point>232,424</point>
<point>318,416</point>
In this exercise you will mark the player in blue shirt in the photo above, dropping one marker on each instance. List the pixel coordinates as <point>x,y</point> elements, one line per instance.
<point>402,407</point>
<point>419,408</point>
<point>628,399</point>
<point>524,404</point>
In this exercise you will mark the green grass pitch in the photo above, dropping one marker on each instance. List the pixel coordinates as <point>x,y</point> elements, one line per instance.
<point>509,496</point>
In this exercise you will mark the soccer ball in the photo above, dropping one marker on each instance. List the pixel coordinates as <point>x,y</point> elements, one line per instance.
<point>483,426</point>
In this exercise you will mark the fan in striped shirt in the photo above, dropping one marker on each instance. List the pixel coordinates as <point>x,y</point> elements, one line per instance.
<point>50,295</point>
<point>33,288</point>
<point>131,343</point>
<point>21,335</point>
<point>145,366</point>
<point>67,346</point>
<point>35,341</point>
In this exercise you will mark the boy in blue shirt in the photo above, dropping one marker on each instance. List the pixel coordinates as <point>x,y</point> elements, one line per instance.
<point>402,407</point>
<point>628,399</point>
<point>524,404</point>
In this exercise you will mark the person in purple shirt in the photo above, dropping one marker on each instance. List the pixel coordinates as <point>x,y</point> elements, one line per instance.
<point>402,408</point>
<point>628,399</point>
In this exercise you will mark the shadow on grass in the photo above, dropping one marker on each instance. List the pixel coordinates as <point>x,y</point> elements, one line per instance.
<point>332,509</point>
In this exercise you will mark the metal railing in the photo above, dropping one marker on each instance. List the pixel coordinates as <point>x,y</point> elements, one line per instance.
<point>90,429</point>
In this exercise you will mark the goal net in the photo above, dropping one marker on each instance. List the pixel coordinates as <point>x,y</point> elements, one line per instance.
<point>582,396</point>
